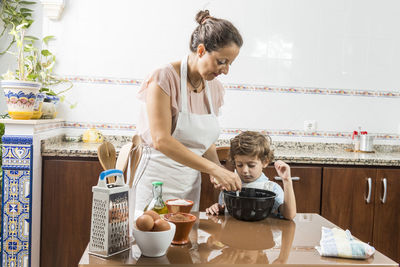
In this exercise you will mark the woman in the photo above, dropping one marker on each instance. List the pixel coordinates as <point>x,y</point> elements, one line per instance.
<point>179,124</point>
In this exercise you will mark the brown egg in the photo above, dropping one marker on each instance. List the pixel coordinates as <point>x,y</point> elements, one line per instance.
<point>144,222</point>
<point>153,214</point>
<point>161,225</point>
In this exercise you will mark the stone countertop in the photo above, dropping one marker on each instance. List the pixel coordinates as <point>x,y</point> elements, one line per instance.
<point>290,152</point>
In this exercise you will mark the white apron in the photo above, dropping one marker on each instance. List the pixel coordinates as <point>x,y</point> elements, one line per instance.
<point>197,132</point>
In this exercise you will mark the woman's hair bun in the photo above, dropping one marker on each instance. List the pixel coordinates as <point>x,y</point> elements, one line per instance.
<point>201,15</point>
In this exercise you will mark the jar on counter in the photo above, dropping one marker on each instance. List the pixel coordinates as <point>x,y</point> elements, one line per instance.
<point>157,203</point>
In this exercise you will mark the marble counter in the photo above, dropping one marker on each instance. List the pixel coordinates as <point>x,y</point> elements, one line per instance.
<point>290,152</point>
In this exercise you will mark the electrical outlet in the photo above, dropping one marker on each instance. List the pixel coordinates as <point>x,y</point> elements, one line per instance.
<point>310,125</point>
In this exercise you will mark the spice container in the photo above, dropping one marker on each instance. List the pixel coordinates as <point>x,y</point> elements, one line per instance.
<point>356,140</point>
<point>366,142</point>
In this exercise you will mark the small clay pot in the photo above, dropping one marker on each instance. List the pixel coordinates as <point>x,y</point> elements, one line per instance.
<point>183,228</point>
<point>173,208</point>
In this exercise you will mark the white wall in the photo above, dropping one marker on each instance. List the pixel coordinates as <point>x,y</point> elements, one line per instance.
<point>342,44</point>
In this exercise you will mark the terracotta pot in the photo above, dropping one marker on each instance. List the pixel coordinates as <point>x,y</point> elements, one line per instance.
<point>173,208</point>
<point>183,228</point>
<point>20,98</point>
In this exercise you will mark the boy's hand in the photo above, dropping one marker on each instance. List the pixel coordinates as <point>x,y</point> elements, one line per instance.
<point>283,170</point>
<point>215,209</point>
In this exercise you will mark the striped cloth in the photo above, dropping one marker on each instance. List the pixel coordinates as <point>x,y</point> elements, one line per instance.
<point>339,243</point>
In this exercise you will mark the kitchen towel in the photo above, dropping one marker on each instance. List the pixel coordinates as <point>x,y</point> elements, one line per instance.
<point>339,243</point>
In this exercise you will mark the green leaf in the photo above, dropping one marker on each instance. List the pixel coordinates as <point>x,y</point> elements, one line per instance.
<point>48,38</point>
<point>62,98</point>
<point>25,15</point>
<point>31,38</point>
<point>8,12</point>
<point>27,2</point>
<point>51,92</point>
<point>73,105</point>
<point>43,89</point>
<point>46,52</point>
<point>32,76</point>
<point>25,10</point>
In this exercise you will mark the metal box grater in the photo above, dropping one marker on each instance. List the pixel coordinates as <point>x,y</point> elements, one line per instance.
<point>109,232</point>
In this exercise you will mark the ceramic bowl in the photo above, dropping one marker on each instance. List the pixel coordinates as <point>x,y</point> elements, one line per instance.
<point>174,206</point>
<point>183,228</point>
<point>154,244</point>
<point>251,204</point>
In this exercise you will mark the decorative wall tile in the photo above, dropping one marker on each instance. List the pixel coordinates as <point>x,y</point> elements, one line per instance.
<point>46,127</point>
<point>234,131</point>
<point>16,201</point>
<point>251,87</point>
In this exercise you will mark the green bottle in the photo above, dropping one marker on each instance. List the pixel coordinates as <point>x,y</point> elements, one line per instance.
<point>157,203</point>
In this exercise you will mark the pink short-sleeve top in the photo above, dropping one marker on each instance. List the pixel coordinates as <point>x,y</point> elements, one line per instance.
<point>169,81</point>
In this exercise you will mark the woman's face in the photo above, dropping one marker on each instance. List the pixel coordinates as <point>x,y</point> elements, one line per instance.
<point>212,64</point>
<point>249,168</point>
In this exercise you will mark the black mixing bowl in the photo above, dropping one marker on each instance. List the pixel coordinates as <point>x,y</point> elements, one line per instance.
<point>251,205</point>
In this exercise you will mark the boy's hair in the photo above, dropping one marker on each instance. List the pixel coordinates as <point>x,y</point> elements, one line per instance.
<point>251,144</point>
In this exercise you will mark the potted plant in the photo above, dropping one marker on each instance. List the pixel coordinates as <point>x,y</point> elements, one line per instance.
<point>21,88</point>
<point>13,12</point>
<point>36,66</point>
<point>44,69</point>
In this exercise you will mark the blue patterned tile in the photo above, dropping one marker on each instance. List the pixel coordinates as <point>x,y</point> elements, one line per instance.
<point>16,200</point>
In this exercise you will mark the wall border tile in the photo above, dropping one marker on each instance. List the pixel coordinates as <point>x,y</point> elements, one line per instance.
<point>233,131</point>
<point>252,87</point>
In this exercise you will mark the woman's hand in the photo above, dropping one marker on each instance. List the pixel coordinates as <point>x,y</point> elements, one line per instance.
<point>283,170</point>
<point>225,180</point>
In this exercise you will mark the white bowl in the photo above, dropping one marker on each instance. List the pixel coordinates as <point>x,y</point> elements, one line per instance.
<point>154,244</point>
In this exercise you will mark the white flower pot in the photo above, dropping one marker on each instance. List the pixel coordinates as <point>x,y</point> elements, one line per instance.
<point>49,107</point>
<point>20,98</point>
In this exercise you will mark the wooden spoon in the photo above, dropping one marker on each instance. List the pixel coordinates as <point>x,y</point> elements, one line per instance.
<point>134,157</point>
<point>123,155</point>
<point>107,156</point>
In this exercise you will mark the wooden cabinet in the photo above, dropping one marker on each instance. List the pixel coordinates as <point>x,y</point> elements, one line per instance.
<point>208,195</point>
<point>386,232</point>
<point>354,199</point>
<point>66,209</point>
<point>306,186</point>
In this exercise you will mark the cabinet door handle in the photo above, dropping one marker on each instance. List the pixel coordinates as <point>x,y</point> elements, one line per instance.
<point>277,178</point>
<point>384,182</point>
<point>368,198</point>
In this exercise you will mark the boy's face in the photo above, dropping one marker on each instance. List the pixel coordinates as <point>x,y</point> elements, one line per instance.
<point>249,168</point>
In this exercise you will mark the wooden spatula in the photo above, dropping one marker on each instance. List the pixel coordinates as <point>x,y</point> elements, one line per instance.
<point>107,156</point>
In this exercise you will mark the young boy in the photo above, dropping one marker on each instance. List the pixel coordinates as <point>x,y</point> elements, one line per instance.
<point>250,153</point>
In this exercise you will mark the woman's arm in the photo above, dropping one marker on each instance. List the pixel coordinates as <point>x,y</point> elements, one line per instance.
<point>211,154</point>
<point>288,208</point>
<point>160,121</point>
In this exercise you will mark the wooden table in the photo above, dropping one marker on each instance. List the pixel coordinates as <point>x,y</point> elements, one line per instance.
<point>225,241</point>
